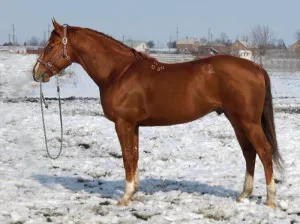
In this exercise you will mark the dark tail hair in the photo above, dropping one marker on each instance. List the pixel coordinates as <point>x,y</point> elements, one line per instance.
<point>268,125</point>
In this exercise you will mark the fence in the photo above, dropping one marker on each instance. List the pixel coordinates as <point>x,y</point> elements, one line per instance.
<point>273,60</point>
<point>22,49</point>
<point>287,60</point>
<point>173,58</point>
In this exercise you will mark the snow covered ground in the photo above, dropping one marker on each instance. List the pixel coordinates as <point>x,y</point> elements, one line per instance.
<point>189,173</point>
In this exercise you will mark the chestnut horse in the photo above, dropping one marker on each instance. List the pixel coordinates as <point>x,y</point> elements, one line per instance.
<point>137,90</point>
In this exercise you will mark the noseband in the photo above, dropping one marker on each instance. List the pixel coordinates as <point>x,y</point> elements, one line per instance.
<point>63,54</point>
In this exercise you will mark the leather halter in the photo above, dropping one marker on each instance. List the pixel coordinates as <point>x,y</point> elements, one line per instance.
<point>50,64</point>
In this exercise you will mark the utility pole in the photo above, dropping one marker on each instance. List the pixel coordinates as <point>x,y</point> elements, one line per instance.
<point>9,38</point>
<point>13,31</point>
<point>208,35</point>
<point>48,31</point>
<point>177,33</point>
<point>170,43</point>
<point>123,37</point>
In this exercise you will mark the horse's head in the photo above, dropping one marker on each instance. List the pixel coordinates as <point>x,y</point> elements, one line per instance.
<point>56,56</point>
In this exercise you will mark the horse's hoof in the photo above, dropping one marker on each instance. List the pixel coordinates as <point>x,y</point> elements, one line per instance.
<point>238,199</point>
<point>136,189</point>
<point>123,202</point>
<point>271,205</point>
<point>241,197</point>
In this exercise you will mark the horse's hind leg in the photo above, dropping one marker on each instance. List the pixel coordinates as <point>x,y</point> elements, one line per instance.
<point>135,160</point>
<point>256,136</point>
<point>249,155</point>
<point>128,137</point>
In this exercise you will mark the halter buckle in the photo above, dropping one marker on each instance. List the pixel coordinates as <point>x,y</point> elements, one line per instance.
<point>64,40</point>
<point>49,65</point>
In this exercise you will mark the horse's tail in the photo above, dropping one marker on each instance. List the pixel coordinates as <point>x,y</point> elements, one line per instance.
<point>268,125</point>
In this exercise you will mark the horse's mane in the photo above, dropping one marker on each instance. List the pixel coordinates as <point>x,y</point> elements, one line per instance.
<point>134,52</point>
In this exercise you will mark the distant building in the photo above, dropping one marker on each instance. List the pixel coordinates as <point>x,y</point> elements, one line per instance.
<point>240,45</point>
<point>187,45</point>
<point>213,48</point>
<point>140,46</point>
<point>243,49</point>
<point>246,54</point>
<point>296,46</point>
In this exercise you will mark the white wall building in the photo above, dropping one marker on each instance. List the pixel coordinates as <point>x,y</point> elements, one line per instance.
<point>246,54</point>
<point>138,46</point>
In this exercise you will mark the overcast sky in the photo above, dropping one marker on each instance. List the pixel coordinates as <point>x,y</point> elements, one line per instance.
<point>153,19</point>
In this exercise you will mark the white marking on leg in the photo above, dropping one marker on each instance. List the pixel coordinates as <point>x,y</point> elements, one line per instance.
<point>129,191</point>
<point>248,187</point>
<point>136,181</point>
<point>271,191</point>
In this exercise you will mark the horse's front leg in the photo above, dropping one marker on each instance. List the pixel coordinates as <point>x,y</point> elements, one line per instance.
<point>128,137</point>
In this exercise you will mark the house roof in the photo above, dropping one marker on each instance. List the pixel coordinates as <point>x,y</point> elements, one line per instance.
<point>246,44</point>
<point>134,44</point>
<point>214,44</point>
<point>187,40</point>
<point>296,44</point>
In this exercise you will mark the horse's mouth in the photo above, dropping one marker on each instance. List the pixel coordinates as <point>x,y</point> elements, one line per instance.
<point>44,78</point>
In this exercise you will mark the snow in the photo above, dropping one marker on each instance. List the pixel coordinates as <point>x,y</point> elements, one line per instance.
<point>189,173</point>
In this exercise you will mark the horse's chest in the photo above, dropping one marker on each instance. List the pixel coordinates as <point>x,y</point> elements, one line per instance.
<point>107,107</point>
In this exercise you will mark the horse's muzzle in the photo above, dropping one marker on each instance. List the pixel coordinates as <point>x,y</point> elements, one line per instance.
<point>44,77</point>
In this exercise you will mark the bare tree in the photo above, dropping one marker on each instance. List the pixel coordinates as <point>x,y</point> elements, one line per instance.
<point>280,44</point>
<point>43,43</point>
<point>223,38</point>
<point>245,38</point>
<point>203,41</point>
<point>151,44</point>
<point>262,37</point>
<point>33,41</point>
<point>171,44</point>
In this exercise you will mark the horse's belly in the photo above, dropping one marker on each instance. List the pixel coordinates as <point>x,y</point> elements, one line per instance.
<point>172,116</point>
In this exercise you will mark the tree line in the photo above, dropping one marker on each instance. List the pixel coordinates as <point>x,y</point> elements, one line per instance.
<point>33,41</point>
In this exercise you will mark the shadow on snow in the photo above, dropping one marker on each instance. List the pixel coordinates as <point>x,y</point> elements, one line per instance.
<point>109,188</point>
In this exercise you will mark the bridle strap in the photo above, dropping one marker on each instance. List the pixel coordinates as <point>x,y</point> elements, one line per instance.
<point>49,67</point>
<point>64,54</point>
<point>65,41</point>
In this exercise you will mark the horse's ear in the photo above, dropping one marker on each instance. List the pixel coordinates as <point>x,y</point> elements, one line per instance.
<point>58,28</point>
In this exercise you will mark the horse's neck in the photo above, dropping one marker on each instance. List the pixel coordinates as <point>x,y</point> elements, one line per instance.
<point>100,57</point>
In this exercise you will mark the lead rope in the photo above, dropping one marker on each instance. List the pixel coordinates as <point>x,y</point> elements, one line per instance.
<point>42,100</point>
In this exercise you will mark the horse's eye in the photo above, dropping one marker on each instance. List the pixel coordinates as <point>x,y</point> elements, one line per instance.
<point>48,48</point>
